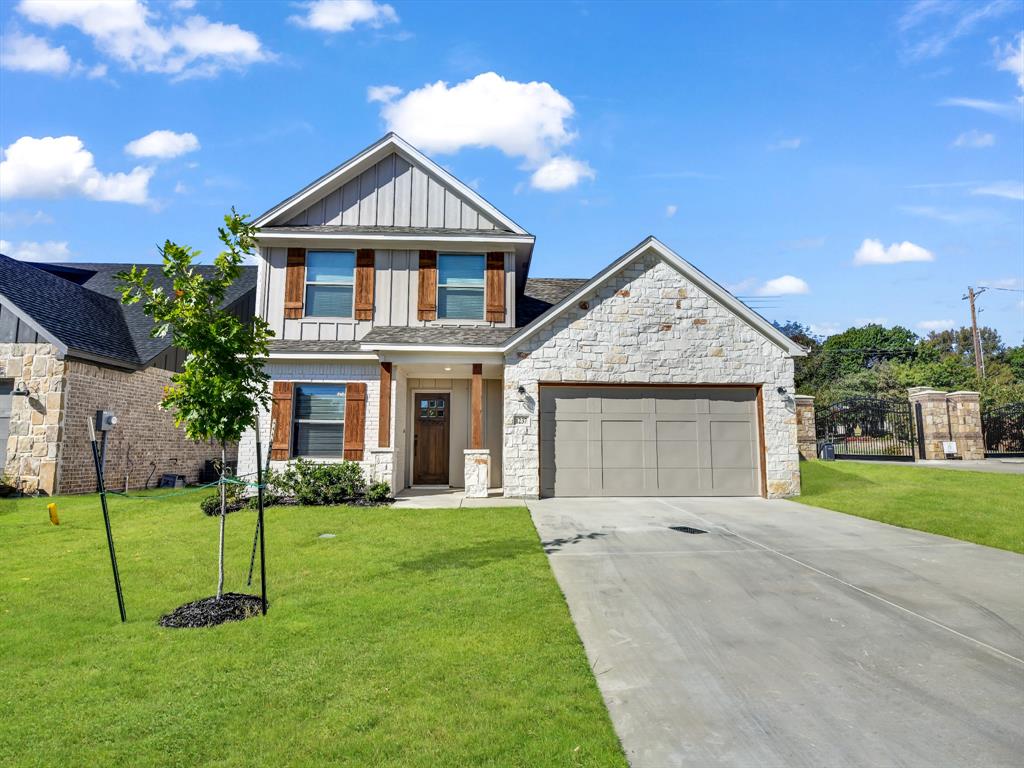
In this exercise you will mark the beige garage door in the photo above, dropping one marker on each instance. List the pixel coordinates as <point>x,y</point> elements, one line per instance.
<point>658,441</point>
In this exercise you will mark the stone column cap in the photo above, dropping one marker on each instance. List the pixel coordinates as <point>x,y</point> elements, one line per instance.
<point>963,392</point>
<point>476,451</point>
<point>919,391</point>
<point>803,397</point>
<point>380,450</point>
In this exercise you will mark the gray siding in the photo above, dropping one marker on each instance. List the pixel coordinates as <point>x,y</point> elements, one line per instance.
<point>396,287</point>
<point>394,193</point>
<point>14,329</point>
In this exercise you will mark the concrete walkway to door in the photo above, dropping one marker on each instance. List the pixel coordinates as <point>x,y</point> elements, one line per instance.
<point>791,636</point>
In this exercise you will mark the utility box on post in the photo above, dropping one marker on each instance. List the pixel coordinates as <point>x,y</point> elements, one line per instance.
<point>105,421</point>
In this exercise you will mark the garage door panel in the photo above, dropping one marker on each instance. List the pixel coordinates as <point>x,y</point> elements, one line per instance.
<point>647,441</point>
<point>676,430</point>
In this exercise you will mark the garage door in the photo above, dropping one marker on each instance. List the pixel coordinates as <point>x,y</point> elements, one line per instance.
<point>658,441</point>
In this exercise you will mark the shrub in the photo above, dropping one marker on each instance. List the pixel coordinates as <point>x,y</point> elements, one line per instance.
<point>321,484</point>
<point>379,491</point>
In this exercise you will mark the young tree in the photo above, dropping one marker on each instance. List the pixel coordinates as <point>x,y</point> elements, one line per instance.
<point>217,394</point>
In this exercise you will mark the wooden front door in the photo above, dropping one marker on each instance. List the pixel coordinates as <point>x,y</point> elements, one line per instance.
<point>430,439</point>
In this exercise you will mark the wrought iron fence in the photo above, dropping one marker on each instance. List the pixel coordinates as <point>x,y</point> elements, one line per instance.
<point>1004,430</point>
<point>868,428</point>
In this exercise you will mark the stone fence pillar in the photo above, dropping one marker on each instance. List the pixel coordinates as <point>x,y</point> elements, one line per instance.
<point>964,413</point>
<point>931,419</point>
<point>478,472</point>
<point>806,432</point>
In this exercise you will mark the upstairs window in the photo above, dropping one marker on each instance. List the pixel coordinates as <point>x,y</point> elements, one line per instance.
<point>460,286</point>
<point>330,282</point>
<point>318,429</point>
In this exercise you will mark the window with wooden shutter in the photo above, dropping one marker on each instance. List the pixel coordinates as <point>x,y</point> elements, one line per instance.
<point>355,421</point>
<point>281,419</point>
<point>364,283</point>
<point>294,283</point>
<point>427,294</point>
<point>495,287</point>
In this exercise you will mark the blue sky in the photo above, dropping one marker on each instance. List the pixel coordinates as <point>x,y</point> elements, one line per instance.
<point>852,163</point>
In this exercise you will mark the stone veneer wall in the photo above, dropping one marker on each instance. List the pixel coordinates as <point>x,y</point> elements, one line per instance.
<point>333,372</point>
<point>144,431</point>
<point>648,324</point>
<point>806,429</point>
<point>33,443</point>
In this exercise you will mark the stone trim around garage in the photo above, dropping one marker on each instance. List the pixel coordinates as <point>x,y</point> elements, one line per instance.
<point>648,324</point>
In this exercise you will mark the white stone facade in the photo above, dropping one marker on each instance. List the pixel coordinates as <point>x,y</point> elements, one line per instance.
<point>648,324</point>
<point>478,472</point>
<point>333,372</point>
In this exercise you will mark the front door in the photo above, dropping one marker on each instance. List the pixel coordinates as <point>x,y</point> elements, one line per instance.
<point>430,439</point>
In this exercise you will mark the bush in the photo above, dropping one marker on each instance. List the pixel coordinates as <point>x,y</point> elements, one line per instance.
<point>322,484</point>
<point>379,491</point>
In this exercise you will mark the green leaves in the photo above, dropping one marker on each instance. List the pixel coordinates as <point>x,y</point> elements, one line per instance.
<point>222,384</point>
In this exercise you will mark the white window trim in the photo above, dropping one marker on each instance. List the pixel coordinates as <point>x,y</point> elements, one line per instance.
<point>350,282</point>
<point>483,289</point>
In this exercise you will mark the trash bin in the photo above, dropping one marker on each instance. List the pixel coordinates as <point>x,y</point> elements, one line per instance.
<point>827,452</point>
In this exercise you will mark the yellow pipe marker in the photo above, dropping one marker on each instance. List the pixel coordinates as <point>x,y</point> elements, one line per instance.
<point>53,513</point>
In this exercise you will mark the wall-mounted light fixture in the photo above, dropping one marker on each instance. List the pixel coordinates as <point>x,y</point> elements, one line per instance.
<point>521,390</point>
<point>20,390</point>
<point>781,390</point>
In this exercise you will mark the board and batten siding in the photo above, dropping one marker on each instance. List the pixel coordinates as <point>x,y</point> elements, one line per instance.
<point>394,193</point>
<point>395,299</point>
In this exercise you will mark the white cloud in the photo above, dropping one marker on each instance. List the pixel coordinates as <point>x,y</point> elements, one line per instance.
<point>793,143</point>
<point>930,26</point>
<point>180,188</point>
<point>825,329</point>
<point>935,325</point>
<point>1010,59</point>
<point>525,120</point>
<point>974,140</point>
<point>53,167</point>
<point>1003,283</point>
<point>998,108</point>
<point>671,210</point>
<point>382,93</point>
<point>1011,190</point>
<point>28,250</point>
<point>28,53</point>
<point>122,30</point>
<point>163,145</point>
<point>948,216</point>
<point>559,173</point>
<point>786,285</point>
<point>183,5</point>
<point>343,15</point>
<point>873,252</point>
<point>15,219</point>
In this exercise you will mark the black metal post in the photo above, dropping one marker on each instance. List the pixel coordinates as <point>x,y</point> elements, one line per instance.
<point>259,523</point>
<point>106,520</point>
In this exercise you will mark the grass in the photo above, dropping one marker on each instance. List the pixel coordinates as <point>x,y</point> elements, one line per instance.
<point>413,638</point>
<point>985,508</point>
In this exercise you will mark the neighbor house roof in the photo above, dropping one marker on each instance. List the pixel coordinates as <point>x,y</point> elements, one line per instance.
<point>79,307</point>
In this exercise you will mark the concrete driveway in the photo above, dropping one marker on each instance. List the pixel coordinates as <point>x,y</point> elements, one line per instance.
<point>791,636</point>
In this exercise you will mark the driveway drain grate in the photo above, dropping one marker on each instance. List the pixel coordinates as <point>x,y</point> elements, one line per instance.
<point>685,529</point>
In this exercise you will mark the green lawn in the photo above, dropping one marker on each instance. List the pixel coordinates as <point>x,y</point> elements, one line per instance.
<point>413,638</point>
<point>985,508</point>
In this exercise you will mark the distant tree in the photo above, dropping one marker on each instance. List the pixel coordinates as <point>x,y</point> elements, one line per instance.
<point>857,349</point>
<point>804,368</point>
<point>959,343</point>
<point>222,384</point>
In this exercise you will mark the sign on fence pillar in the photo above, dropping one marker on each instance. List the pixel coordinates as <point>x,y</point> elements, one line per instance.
<point>806,434</point>
<point>931,421</point>
<point>964,413</point>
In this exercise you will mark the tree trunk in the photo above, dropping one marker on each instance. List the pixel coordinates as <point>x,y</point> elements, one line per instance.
<point>223,515</point>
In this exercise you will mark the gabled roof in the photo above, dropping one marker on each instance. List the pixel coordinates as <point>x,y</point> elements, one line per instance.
<point>78,307</point>
<point>281,213</point>
<point>694,275</point>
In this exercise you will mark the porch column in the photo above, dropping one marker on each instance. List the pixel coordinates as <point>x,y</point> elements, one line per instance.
<point>384,417</point>
<point>476,433</point>
<point>478,458</point>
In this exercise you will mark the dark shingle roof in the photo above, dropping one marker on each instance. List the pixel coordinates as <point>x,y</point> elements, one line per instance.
<point>447,335</point>
<point>288,345</point>
<point>542,293</point>
<point>83,309</point>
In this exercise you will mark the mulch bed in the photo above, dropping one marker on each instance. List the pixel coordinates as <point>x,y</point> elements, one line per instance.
<point>209,612</point>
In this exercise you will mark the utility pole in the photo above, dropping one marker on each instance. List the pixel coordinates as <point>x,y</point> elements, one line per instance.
<point>979,363</point>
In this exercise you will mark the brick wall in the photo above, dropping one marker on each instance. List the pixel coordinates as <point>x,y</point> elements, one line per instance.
<point>144,432</point>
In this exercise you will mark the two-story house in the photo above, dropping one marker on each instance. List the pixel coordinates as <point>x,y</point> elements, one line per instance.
<point>411,338</point>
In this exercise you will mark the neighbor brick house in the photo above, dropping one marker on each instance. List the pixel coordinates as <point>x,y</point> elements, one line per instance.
<point>412,338</point>
<point>69,348</point>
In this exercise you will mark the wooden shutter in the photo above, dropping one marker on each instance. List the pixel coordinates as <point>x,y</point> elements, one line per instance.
<point>494,288</point>
<point>427,306</point>
<point>355,420</point>
<point>281,418</point>
<point>294,283</point>
<point>364,283</point>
